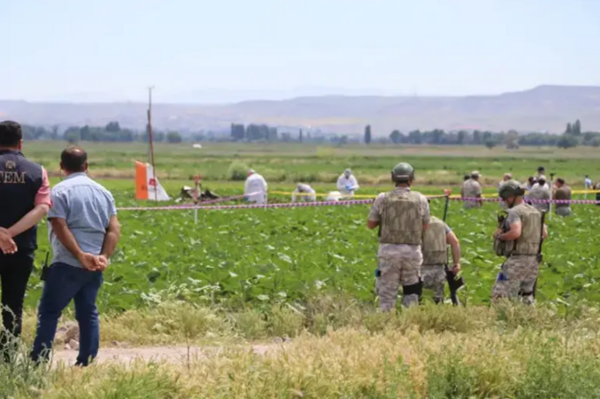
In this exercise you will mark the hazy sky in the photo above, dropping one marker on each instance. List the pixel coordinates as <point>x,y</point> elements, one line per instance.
<point>119,47</point>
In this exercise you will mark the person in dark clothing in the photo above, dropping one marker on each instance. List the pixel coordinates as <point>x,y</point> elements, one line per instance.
<point>24,201</point>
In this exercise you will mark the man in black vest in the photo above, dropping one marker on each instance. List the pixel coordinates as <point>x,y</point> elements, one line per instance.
<point>24,201</point>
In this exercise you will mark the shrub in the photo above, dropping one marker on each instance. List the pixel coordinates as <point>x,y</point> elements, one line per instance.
<point>238,171</point>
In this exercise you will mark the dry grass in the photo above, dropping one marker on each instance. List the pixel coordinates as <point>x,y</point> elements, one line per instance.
<point>339,349</point>
<point>355,363</point>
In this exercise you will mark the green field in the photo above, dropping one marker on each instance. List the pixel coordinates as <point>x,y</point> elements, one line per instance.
<point>240,279</point>
<point>266,256</point>
<point>310,163</point>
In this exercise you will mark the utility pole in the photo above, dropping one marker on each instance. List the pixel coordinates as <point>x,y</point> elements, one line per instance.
<point>151,142</point>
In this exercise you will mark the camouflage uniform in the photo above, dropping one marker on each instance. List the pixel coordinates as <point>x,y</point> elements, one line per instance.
<point>520,270</point>
<point>435,257</point>
<point>401,214</point>
<point>540,193</point>
<point>471,189</point>
<point>563,193</point>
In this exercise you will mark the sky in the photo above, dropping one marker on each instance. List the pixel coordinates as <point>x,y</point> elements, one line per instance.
<point>114,49</point>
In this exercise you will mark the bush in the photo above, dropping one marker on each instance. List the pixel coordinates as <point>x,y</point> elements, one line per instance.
<point>238,171</point>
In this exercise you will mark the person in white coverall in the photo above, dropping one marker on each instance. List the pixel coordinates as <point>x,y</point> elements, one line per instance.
<point>255,189</point>
<point>307,193</point>
<point>347,183</point>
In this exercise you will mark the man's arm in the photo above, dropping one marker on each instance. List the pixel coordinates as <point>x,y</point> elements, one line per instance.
<point>32,218</point>
<point>426,213</point>
<point>452,240</point>
<point>374,216</point>
<point>66,238</point>
<point>371,224</point>
<point>513,233</point>
<point>113,233</point>
<point>42,204</point>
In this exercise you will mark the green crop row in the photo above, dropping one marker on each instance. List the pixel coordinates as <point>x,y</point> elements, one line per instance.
<point>266,256</point>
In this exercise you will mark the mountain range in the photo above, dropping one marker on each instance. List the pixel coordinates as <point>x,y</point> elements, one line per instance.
<point>545,108</point>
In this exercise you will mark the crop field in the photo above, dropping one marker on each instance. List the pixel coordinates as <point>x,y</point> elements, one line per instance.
<point>279,302</point>
<point>312,163</point>
<point>266,256</point>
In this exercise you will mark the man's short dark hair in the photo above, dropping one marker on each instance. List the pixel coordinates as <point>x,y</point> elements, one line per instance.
<point>73,159</point>
<point>466,177</point>
<point>560,180</point>
<point>11,134</point>
<point>541,168</point>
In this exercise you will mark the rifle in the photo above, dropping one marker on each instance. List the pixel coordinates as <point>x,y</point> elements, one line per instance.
<point>540,256</point>
<point>454,283</point>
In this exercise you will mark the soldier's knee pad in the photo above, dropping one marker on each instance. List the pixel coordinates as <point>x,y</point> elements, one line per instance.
<point>413,289</point>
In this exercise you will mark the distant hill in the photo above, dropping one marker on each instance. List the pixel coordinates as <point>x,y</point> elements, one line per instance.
<point>544,108</point>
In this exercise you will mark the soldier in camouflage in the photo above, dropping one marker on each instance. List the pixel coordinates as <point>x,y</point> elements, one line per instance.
<point>435,256</point>
<point>519,241</point>
<point>402,216</point>
<point>472,189</point>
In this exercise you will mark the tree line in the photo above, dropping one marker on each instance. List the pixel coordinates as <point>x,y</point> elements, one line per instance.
<point>112,132</point>
<point>573,136</point>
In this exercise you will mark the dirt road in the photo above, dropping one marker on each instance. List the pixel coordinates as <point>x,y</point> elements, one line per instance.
<point>174,354</point>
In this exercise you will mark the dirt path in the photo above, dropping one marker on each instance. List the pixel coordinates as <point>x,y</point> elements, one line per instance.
<point>174,354</point>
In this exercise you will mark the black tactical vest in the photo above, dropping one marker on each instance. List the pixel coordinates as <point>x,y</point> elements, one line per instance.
<point>20,180</point>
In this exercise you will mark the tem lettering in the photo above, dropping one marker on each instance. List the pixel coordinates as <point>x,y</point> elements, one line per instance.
<point>12,177</point>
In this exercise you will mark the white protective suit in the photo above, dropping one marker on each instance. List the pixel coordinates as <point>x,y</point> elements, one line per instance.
<point>255,189</point>
<point>347,185</point>
<point>546,186</point>
<point>308,194</point>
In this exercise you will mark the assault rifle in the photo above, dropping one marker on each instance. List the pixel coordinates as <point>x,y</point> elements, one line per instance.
<point>540,256</point>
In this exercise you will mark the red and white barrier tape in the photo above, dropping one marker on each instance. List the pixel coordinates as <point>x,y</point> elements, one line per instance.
<point>201,204</point>
<point>249,206</point>
<point>537,201</point>
<point>204,205</point>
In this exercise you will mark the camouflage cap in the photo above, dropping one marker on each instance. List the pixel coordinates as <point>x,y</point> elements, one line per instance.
<point>403,172</point>
<point>510,188</point>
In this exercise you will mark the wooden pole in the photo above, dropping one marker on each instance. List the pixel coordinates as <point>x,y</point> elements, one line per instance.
<point>150,140</point>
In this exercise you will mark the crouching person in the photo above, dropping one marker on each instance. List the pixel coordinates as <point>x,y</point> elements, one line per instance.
<point>435,271</point>
<point>83,232</point>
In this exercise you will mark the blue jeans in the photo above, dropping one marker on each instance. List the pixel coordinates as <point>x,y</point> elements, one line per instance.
<point>63,283</point>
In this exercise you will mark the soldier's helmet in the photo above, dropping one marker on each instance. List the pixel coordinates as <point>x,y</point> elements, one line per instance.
<point>511,188</point>
<point>403,173</point>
